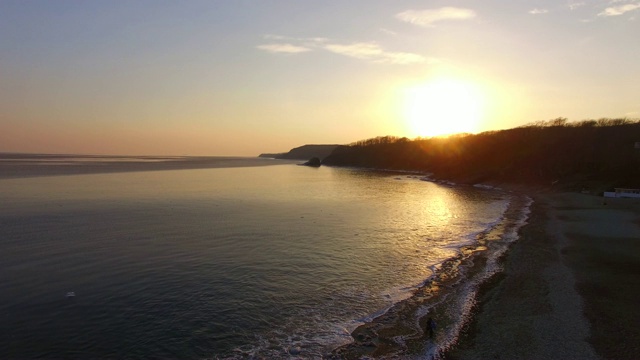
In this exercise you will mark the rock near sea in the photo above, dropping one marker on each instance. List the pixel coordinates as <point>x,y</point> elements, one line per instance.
<point>314,162</point>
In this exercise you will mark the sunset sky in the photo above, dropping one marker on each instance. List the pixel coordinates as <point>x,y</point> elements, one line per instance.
<point>225,77</point>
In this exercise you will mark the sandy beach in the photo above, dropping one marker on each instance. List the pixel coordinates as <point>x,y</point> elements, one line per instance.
<point>569,289</point>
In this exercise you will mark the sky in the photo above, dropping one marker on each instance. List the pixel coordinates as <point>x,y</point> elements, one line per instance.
<point>236,77</point>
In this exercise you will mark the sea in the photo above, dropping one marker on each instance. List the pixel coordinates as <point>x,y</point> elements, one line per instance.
<point>229,258</point>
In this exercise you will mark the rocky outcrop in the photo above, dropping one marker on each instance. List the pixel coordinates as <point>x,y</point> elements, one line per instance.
<point>313,162</point>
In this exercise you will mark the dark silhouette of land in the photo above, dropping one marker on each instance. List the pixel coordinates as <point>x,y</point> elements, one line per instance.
<point>304,152</point>
<point>592,154</point>
<point>568,288</point>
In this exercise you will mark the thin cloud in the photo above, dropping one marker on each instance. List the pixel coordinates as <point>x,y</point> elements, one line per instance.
<point>427,18</point>
<point>356,50</point>
<point>374,52</point>
<point>619,10</point>
<point>313,42</point>
<point>538,11</point>
<point>274,37</point>
<point>370,51</point>
<point>283,48</point>
<point>388,32</point>
<point>575,5</point>
<point>402,58</point>
<point>294,39</point>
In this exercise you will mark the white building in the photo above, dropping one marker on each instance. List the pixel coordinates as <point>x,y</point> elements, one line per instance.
<point>623,193</point>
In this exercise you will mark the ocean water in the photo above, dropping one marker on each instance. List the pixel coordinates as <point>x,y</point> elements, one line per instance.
<point>219,262</point>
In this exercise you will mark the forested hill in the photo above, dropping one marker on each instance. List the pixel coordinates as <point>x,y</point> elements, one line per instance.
<point>602,153</point>
<point>304,152</point>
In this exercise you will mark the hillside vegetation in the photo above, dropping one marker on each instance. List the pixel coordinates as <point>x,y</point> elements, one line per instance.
<point>589,154</point>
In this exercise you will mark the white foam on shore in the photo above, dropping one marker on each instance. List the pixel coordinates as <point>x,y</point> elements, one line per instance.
<point>462,296</point>
<point>467,295</point>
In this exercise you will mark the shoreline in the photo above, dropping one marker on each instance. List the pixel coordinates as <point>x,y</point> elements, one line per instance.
<point>569,286</point>
<point>448,297</point>
<point>22,166</point>
<point>567,289</point>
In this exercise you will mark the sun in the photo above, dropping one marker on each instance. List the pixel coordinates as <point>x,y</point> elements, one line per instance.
<point>443,107</point>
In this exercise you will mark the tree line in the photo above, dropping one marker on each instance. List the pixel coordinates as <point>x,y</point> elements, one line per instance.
<point>600,153</point>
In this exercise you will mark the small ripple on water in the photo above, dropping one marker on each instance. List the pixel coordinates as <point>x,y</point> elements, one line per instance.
<point>247,274</point>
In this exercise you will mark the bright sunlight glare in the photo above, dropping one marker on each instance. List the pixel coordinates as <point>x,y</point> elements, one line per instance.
<point>443,107</point>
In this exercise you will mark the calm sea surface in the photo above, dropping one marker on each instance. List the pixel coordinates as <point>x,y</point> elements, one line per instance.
<point>228,262</point>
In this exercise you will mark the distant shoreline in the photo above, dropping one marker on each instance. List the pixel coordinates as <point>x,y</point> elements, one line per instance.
<point>15,166</point>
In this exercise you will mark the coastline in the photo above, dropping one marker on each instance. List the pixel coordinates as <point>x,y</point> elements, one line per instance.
<point>448,297</point>
<point>568,290</point>
<point>17,166</point>
<point>569,287</point>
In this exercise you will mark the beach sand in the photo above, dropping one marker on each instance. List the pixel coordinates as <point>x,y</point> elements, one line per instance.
<point>570,287</point>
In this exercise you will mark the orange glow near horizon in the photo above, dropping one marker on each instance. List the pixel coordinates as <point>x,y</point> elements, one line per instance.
<point>443,107</point>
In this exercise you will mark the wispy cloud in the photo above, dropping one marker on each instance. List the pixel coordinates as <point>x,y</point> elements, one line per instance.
<point>537,11</point>
<point>575,5</point>
<point>375,53</point>
<point>274,37</point>
<point>283,48</point>
<point>294,39</point>
<point>388,32</point>
<point>402,58</point>
<point>356,50</point>
<point>620,9</point>
<point>370,51</point>
<point>427,18</point>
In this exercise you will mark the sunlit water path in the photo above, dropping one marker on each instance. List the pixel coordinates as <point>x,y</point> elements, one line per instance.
<point>224,262</point>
